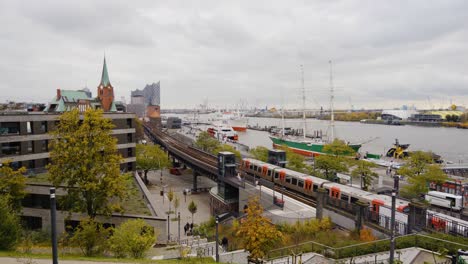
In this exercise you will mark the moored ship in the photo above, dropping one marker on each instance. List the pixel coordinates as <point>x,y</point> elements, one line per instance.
<point>223,133</point>
<point>309,146</point>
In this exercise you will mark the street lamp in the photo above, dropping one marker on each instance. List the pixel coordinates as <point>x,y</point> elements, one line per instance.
<point>53,220</point>
<point>168,228</point>
<point>216,238</point>
<point>178,219</point>
<point>392,219</point>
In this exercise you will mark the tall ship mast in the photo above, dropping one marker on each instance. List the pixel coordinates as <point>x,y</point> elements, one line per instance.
<point>304,145</point>
<point>304,123</point>
<point>332,117</point>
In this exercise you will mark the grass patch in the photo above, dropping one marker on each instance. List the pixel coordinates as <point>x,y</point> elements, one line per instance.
<point>38,178</point>
<point>135,204</point>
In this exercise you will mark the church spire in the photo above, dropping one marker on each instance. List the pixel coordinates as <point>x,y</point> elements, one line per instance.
<point>105,76</point>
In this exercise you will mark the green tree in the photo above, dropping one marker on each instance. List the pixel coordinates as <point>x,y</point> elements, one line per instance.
<point>330,165</point>
<point>420,172</point>
<point>257,232</point>
<point>90,237</point>
<point>335,160</point>
<point>259,153</point>
<point>295,161</point>
<point>364,172</point>
<point>226,147</point>
<point>139,132</point>
<point>84,158</point>
<point>206,142</point>
<point>133,238</point>
<point>150,158</point>
<point>12,184</point>
<point>192,207</point>
<point>338,148</point>
<point>10,228</point>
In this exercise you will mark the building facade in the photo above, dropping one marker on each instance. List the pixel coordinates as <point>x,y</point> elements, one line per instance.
<point>24,138</point>
<point>146,102</point>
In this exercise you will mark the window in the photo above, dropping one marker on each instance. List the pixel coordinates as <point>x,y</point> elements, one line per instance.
<point>294,181</point>
<point>129,123</point>
<point>45,146</point>
<point>10,128</point>
<point>251,167</point>
<point>29,127</point>
<point>44,127</point>
<point>11,148</point>
<point>31,164</point>
<point>288,179</point>
<point>129,137</point>
<point>255,168</point>
<point>269,173</point>
<point>315,188</point>
<point>130,152</point>
<point>300,183</point>
<point>276,175</point>
<point>344,197</point>
<point>30,146</point>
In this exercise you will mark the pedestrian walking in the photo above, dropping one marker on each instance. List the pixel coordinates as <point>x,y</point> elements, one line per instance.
<point>186,228</point>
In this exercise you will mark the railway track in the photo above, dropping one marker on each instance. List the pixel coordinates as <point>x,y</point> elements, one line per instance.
<point>185,151</point>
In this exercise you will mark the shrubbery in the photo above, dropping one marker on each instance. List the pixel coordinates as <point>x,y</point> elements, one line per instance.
<point>132,238</point>
<point>10,228</point>
<point>90,237</point>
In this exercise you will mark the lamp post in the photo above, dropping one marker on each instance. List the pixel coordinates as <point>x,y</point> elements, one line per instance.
<point>216,238</point>
<point>178,219</point>
<point>168,228</point>
<point>53,225</point>
<point>392,219</point>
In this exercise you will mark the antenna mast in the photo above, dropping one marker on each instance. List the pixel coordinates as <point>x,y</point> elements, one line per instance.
<point>303,103</point>
<point>332,118</point>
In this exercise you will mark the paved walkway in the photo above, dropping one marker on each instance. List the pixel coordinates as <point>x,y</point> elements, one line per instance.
<point>178,183</point>
<point>48,261</point>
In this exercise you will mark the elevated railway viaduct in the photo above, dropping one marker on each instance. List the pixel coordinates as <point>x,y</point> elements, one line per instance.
<point>208,165</point>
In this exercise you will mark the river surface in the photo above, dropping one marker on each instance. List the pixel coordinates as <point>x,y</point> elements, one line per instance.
<point>450,143</point>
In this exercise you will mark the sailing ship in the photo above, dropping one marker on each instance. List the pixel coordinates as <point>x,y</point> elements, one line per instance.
<point>304,145</point>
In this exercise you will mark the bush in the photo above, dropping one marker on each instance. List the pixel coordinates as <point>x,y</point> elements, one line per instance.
<point>10,228</point>
<point>90,237</point>
<point>133,237</point>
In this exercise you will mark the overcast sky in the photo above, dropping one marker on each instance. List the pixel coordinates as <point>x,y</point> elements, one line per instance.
<point>384,53</point>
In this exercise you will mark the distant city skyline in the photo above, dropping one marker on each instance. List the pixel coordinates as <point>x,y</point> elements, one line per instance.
<point>242,53</point>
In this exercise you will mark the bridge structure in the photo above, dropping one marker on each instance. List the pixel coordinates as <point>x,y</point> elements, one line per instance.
<point>225,198</point>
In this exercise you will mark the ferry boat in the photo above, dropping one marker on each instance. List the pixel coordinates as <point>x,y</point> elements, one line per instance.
<point>304,145</point>
<point>223,133</point>
<point>236,120</point>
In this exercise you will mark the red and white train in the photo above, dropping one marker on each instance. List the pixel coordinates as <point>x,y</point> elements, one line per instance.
<point>342,196</point>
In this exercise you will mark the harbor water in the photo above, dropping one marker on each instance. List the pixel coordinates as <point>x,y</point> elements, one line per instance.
<point>450,143</point>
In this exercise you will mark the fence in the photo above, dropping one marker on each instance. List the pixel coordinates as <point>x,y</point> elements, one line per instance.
<point>414,240</point>
<point>446,225</point>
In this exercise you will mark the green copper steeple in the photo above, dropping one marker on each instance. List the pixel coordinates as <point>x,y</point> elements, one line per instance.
<point>105,76</point>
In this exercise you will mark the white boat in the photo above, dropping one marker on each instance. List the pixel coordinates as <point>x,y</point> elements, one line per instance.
<point>236,120</point>
<point>223,132</point>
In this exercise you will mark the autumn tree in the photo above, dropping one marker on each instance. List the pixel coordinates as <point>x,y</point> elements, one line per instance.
<point>192,207</point>
<point>12,184</point>
<point>257,232</point>
<point>338,148</point>
<point>176,203</point>
<point>259,153</point>
<point>150,158</point>
<point>364,172</point>
<point>170,197</point>
<point>84,158</point>
<point>420,172</point>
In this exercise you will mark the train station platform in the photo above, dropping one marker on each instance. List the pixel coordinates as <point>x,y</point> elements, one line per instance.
<point>290,210</point>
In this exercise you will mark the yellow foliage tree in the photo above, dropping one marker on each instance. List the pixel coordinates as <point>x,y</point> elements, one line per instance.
<point>258,234</point>
<point>366,235</point>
